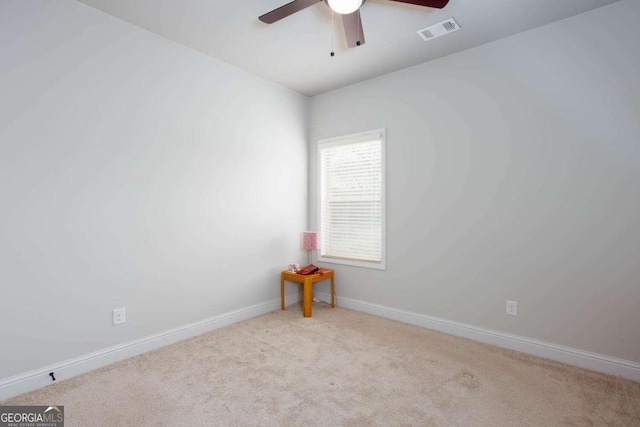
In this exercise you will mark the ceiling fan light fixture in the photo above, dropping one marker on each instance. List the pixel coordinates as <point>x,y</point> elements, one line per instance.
<point>344,7</point>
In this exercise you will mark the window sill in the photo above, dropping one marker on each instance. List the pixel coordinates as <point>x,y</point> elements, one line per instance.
<point>353,263</point>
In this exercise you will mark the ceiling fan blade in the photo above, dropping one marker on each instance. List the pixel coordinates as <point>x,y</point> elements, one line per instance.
<point>353,29</point>
<point>438,4</point>
<point>286,10</point>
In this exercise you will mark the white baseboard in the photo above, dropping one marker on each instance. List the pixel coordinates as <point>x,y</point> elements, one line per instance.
<point>571,356</point>
<point>23,383</point>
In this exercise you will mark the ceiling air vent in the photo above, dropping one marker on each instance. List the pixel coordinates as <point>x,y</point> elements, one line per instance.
<point>439,29</point>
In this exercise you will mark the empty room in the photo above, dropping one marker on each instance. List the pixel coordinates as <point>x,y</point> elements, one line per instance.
<point>319,213</point>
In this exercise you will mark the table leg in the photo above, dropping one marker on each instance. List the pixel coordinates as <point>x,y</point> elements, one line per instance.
<point>282,290</point>
<point>333,293</point>
<point>307,297</point>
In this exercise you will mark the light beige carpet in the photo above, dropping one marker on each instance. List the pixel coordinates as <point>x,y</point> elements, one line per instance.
<point>339,368</point>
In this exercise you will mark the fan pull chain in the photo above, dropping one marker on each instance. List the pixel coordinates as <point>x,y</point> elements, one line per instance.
<point>333,31</point>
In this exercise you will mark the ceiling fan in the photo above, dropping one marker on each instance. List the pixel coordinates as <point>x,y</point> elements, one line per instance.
<point>349,9</point>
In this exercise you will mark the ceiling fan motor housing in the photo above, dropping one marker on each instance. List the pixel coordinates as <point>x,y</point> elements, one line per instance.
<point>344,7</point>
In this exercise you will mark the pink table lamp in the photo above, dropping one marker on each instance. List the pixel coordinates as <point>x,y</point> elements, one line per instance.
<point>310,242</point>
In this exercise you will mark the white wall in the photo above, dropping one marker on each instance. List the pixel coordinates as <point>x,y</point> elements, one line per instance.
<point>134,172</point>
<point>513,172</point>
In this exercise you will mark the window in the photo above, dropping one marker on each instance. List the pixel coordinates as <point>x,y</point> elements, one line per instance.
<point>352,207</point>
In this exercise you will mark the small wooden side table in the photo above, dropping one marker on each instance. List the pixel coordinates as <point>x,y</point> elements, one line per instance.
<point>307,287</point>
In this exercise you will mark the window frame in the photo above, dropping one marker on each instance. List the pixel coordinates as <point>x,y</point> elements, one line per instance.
<point>345,140</point>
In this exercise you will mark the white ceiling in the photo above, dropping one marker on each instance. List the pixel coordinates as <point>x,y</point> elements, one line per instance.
<point>295,52</point>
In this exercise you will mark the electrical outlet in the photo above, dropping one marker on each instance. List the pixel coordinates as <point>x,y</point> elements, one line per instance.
<point>119,316</point>
<point>512,308</point>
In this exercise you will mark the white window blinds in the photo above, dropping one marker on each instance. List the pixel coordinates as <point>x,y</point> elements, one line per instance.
<point>352,198</point>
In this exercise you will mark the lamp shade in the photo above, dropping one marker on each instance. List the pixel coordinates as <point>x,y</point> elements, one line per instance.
<point>310,240</point>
